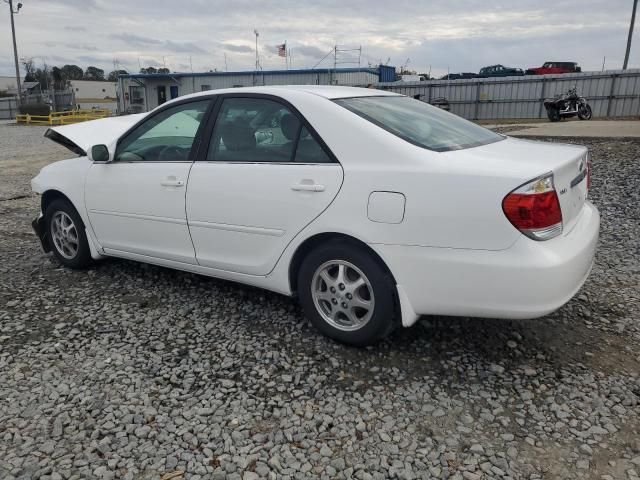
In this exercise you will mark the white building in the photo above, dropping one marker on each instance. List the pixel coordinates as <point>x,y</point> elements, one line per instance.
<point>144,92</point>
<point>94,94</point>
<point>8,82</point>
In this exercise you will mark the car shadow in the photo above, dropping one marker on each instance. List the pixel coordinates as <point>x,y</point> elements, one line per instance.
<point>435,345</point>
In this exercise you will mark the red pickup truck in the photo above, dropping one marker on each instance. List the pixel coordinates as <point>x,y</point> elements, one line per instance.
<point>554,67</point>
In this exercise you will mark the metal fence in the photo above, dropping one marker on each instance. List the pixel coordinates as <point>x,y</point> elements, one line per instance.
<point>8,108</point>
<point>64,100</point>
<point>612,93</point>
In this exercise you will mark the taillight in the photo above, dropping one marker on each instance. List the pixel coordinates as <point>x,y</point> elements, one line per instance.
<point>534,209</point>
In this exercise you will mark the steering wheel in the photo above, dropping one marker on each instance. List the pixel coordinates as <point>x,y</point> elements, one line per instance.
<point>171,152</point>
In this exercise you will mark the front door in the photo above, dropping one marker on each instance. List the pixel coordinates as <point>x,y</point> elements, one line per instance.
<point>162,94</point>
<point>136,203</point>
<point>264,178</point>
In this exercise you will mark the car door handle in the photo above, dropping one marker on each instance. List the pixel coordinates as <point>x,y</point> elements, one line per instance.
<point>307,187</point>
<point>172,182</point>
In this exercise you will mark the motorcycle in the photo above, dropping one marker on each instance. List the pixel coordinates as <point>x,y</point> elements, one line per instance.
<point>567,105</point>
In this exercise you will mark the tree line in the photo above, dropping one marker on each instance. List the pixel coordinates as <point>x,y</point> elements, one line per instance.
<point>59,77</point>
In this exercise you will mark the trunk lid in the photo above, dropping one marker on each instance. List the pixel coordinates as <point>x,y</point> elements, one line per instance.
<point>80,137</point>
<point>570,181</point>
<point>523,160</point>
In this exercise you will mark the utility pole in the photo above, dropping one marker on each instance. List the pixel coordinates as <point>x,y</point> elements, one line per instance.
<point>626,55</point>
<point>257,58</point>
<point>15,47</point>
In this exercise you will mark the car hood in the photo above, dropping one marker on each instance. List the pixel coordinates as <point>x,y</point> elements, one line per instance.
<point>80,137</point>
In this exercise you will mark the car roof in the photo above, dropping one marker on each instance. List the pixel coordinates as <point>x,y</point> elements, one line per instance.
<point>330,92</point>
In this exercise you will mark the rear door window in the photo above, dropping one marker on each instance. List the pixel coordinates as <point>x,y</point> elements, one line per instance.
<point>262,130</point>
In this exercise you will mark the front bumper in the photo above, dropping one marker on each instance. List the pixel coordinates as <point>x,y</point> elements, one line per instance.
<point>528,280</point>
<point>40,229</point>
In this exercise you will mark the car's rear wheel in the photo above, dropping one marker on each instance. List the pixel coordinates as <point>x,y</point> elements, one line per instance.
<point>67,234</point>
<point>347,294</point>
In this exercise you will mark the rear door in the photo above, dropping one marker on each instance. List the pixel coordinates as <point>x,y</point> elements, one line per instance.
<point>265,175</point>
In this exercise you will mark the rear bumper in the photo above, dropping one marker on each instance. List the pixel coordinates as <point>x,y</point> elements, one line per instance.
<point>40,230</point>
<point>528,280</point>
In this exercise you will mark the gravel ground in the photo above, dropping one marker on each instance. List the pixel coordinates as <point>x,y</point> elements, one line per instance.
<point>137,372</point>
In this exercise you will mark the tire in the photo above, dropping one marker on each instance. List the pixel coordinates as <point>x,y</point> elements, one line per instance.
<point>71,249</point>
<point>356,325</point>
<point>553,114</point>
<point>584,112</point>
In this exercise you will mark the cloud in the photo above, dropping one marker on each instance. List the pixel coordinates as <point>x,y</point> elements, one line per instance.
<point>91,60</point>
<point>135,40</point>
<point>82,46</point>
<point>237,48</point>
<point>183,47</point>
<point>463,35</point>
<point>309,51</point>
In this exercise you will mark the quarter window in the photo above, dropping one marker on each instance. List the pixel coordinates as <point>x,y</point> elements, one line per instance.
<point>165,137</point>
<point>261,130</point>
<point>309,150</point>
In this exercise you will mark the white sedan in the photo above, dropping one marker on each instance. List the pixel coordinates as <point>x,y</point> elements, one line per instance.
<point>371,207</point>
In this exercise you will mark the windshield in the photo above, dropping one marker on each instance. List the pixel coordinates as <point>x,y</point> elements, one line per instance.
<point>420,123</point>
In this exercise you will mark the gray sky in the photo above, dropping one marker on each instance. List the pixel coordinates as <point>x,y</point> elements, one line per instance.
<point>460,35</point>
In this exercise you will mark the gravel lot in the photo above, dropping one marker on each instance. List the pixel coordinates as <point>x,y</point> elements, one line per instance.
<point>136,372</point>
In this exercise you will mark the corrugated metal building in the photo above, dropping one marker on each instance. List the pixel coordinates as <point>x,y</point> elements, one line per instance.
<point>143,92</point>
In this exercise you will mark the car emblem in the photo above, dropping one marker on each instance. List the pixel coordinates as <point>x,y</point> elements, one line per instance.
<point>563,191</point>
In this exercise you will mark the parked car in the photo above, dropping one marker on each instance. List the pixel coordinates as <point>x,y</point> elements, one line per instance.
<point>412,78</point>
<point>459,76</point>
<point>372,208</point>
<point>441,102</point>
<point>500,71</point>
<point>554,67</point>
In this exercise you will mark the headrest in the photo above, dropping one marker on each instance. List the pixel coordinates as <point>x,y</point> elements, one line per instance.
<point>289,125</point>
<point>238,135</point>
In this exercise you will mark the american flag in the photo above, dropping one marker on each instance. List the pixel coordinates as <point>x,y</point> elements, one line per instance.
<point>282,50</point>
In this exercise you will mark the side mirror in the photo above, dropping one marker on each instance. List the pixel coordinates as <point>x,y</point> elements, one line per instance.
<point>99,153</point>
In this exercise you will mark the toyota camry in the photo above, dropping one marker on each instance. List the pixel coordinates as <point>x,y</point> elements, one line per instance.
<point>372,208</point>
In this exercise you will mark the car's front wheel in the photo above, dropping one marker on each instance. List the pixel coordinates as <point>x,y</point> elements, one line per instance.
<point>67,234</point>
<point>347,294</point>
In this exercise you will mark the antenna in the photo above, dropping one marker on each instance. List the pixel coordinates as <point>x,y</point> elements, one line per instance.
<point>257,58</point>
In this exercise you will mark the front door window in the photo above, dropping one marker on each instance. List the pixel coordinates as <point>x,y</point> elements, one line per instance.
<point>167,136</point>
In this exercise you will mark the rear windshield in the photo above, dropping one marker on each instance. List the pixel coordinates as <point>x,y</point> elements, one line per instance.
<point>420,123</point>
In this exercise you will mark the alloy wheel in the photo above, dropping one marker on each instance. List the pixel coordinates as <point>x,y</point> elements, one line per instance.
<point>64,235</point>
<point>343,295</point>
